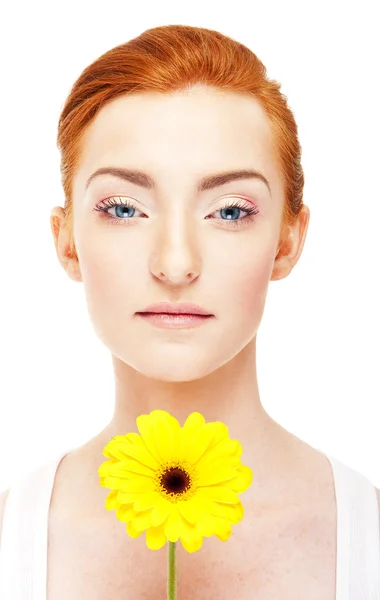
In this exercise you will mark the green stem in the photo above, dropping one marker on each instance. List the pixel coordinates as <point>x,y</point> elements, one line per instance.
<point>172,571</point>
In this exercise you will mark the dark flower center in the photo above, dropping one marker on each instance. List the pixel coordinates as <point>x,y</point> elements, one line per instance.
<point>175,480</point>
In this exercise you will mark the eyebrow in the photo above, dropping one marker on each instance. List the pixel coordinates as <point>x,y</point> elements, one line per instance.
<point>206,183</point>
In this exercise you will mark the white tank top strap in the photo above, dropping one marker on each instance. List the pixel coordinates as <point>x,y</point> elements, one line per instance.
<point>23,544</point>
<point>358,534</point>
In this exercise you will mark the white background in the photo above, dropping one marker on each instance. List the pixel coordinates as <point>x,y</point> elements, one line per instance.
<point>318,343</point>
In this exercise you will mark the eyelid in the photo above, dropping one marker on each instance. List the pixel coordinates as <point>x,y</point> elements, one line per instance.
<point>240,197</point>
<point>224,197</point>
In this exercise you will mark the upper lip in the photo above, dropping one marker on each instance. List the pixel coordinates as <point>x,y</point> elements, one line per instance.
<point>183,308</point>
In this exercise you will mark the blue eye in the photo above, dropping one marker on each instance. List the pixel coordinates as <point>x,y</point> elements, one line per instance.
<point>233,209</point>
<point>230,210</point>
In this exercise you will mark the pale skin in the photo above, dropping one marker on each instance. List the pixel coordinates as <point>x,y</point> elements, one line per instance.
<point>170,251</point>
<point>178,246</point>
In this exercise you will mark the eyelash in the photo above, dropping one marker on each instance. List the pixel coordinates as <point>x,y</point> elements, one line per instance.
<point>251,211</point>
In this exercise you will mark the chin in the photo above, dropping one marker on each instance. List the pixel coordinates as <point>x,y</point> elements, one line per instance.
<point>175,362</point>
<point>174,371</point>
<point>173,366</point>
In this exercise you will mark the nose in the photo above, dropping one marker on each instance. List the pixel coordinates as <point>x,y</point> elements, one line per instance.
<point>175,257</point>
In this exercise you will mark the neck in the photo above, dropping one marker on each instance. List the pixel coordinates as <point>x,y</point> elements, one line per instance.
<point>230,395</point>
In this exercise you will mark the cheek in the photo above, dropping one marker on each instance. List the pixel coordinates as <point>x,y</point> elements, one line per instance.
<point>111,280</point>
<point>246,287</point>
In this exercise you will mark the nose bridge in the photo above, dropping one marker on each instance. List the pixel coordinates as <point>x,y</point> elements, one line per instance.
<point>175,253</point>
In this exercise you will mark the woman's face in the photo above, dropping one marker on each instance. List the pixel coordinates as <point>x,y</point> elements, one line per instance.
<point>175,242</point>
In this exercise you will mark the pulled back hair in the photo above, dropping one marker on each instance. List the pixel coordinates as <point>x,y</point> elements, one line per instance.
<point>173,58</point>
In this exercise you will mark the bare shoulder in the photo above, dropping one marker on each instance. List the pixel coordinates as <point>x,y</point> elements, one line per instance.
<point>3,499</point>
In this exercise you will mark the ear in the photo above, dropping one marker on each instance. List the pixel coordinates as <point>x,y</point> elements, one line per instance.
<point>291,245</point>
<point>68,260</point>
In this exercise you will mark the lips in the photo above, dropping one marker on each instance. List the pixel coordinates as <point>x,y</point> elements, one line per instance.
<point>174,314</point>
<point>183,308</point>
<point>174,320</point>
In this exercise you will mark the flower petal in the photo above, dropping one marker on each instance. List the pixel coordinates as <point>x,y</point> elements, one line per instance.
<point>223,449</point>
<point>132,531</point>
<point>135,438</point>
<point>134,451</point>
<point>115,483</point>
<point>113,448</point>
<point>192,425</point>
<point>172,525</point>
<point>243,479</point>
<point>200,505</point>
<point>219,494</point>
<point>224,535</point>
<point>125,468</point>
<point>155,538</point>
<point>207,524</point>
<point>138,484</point>
<point>132,466</point>
<point>125,513</point>
<point>193,547</point>
<point>189,533</point>
<point>167,435</point>
<point>160,512</point>
<point>216,475</point>
<point>215,525</point>
<point>111,500</point>
<point>223,529</point>
<point>201,442</point>
<point>145,425</point>
<point>221,433</point>
<point>230,512</point>
<point>187,511</point>
<point>106,468</point>
<point>142,520</point>
<point>130,497</point>
<point>226,461</point>
<point>146,501</point>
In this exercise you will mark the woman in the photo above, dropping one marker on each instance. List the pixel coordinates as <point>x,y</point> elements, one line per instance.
<point>183,184</point>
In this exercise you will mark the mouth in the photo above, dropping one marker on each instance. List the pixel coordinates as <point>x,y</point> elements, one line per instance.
<point>174,320</point>
<point>172,314</point>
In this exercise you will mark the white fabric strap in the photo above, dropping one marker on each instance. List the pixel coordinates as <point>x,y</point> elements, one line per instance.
<point>358,535</point>
<point>23,551</point>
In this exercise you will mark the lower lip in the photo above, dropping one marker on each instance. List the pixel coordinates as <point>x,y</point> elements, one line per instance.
<point>172,321</point>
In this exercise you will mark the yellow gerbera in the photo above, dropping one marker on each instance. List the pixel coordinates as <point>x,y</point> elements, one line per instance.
<point>175,482</point>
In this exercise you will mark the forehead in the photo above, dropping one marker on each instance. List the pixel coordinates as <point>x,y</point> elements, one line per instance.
<point>194,131</point>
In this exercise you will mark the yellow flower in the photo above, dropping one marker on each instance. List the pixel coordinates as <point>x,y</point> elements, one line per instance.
<point>175,482</point>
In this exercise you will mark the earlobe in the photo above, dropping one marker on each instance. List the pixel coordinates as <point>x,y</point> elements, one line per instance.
<point>281,266</point>
<point>290,248</point>
<point>284,260</point>
<point>69,262</point>
<point>73,270</point>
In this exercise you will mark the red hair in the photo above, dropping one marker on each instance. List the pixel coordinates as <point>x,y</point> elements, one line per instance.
<point>172,58</point>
